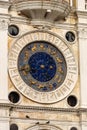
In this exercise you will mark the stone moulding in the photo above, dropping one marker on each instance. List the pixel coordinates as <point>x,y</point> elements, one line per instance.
<point>38,108</point>
<point>43,126</point>
<point>4,4</point>
<point>18,1</point>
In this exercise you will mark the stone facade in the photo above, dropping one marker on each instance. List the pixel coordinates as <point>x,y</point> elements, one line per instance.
<point>43,114</point>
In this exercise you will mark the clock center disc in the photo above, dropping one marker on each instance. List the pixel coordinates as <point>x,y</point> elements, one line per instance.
<point>42,66</point>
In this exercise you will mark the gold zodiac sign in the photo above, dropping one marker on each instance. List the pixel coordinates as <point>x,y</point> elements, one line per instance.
<point>59,80</point>
<point>24,73</point>
<point>25,68</point>
<point>53,52</point>
<point>59,60</point>
<point>50,86</point>
<point>57,76</point>
<point>40,86</point>
<point>33,82</point>
<point>26,56</point>
<point>60,69</point>
<point>34,48</point>
<point>42,46</point>
<point>49,50</point>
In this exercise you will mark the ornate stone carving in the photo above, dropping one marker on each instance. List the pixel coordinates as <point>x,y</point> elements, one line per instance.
<point>3,24</point>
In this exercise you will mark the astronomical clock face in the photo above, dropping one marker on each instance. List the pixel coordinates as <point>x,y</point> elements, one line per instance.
<point>42,67</point>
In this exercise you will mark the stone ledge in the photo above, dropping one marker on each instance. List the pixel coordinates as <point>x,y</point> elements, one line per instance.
<point>21,107</point>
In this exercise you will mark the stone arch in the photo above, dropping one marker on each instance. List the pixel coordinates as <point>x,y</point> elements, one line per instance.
<point>43,127</point>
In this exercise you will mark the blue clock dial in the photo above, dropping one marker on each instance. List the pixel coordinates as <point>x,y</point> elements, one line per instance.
<point>42,66</point>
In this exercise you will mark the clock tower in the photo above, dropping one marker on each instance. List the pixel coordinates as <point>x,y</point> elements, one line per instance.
<point>43,65</point>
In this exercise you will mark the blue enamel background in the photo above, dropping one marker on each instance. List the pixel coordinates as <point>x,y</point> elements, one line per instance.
<point>42,66</point>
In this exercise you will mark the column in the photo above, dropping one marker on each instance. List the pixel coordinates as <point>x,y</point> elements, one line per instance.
<point>3,50</point>
<point>3,61</point>
<point>83,66</point>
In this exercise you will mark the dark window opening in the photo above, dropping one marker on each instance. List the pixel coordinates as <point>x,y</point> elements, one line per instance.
<point>73,128</point>
<point>72,101</point>
<point>13,127</point>
<point>13,30</point>
<point>70,36</point>
<point>14,97</point>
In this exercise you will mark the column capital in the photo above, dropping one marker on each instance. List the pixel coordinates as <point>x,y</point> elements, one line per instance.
<point>4,21</point>
<point>3,25</point>
<point>82,33</point>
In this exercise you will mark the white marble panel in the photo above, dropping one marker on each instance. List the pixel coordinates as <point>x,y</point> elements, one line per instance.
<point>3,65</point>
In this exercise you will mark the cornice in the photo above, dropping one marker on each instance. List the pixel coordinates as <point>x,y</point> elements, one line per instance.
<point>19,20</point>
<point>81,25</point>
<point>40,108</point>
<point>5,4</point>
<point>4,16</point>
<point>82,14</point>
<point>38,23</point>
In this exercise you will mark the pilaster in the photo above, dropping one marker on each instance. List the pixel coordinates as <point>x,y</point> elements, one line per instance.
<point>82,41</point>
<point>4,118</point>
<point>80,5</point>
<point>4,18</point>
<point>3,58</point>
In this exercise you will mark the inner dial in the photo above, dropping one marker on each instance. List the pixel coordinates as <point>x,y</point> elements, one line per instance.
<point>42,66</point>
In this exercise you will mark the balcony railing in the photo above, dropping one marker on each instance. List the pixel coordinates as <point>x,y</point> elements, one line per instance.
<point>44,10</point>
<point>18,1</point>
